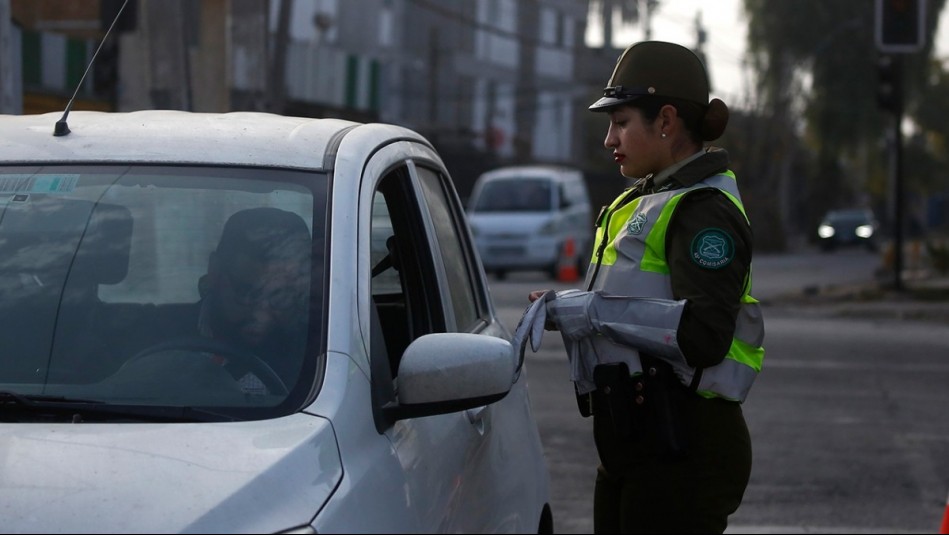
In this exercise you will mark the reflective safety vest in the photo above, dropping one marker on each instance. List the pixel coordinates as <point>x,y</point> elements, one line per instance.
<point>634,263</point>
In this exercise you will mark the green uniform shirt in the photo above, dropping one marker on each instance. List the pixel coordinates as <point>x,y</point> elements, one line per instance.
<point>712,295</point>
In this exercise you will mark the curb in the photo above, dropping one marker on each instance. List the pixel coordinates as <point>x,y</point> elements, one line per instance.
<point>920,300</point>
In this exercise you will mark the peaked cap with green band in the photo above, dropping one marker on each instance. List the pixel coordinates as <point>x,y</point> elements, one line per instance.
<point>655,68</point>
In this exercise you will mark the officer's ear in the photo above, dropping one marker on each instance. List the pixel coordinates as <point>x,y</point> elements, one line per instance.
<point>667,118</point>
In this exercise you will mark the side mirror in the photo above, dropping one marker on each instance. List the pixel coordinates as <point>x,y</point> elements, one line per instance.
<point>449,372</point>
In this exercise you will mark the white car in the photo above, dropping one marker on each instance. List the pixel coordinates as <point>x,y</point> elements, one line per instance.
<point>246,322</point>
<point>532,217</point>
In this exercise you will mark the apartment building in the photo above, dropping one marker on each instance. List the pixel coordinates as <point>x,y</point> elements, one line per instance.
<point>497,77</point>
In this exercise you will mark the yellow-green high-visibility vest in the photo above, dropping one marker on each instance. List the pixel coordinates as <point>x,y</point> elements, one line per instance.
<point>634,263</point>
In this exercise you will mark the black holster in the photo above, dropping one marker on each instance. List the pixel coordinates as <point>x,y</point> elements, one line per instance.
<point>615,398</point>
<point>667,398</point>
<point>649,405</point>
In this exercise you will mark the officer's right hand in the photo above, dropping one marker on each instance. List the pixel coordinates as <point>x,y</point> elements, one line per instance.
<point>535,295</point>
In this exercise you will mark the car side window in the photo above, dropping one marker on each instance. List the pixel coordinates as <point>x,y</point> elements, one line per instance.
<point>565,200</point>
<point>404,287</point>
<point>455,250</point>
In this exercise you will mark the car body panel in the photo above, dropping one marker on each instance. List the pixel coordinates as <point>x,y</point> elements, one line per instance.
<point>513,240</point>
<point>238,477</point>
<point>237,138</point>
<point>520,231</point>
<point>462,445</point>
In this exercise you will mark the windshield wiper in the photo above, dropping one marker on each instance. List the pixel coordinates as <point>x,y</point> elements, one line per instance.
<point>31,400</point>
<point>85,410</point>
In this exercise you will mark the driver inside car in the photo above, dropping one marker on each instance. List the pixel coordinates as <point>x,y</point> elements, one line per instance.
<point>255,294</point>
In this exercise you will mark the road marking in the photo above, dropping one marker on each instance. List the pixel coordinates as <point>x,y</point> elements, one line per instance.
<point>855,366</point>
<point>814,529</point>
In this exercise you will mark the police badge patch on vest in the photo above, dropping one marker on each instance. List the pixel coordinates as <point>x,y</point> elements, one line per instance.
<point>712,248</point>
<point>636,224</point>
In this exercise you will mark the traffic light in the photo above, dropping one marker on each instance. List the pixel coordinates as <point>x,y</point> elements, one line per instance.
<point>900,25</point>
<point>889,90</point>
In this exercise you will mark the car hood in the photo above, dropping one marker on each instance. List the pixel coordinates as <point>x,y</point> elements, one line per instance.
<point>248,477</point>
<point>509,222</point>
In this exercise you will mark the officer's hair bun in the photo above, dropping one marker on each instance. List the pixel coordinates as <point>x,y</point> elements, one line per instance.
<point>715,120</point>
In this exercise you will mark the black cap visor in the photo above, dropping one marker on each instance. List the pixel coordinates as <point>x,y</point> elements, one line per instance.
<point>615,95</point>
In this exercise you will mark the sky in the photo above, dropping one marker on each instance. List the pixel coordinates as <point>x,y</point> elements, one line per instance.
<point>726,35</point>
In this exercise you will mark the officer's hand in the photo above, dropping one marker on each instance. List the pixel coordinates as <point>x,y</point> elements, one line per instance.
<point>535,295</point>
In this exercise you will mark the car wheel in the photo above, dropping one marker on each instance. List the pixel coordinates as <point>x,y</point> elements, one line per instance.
<point>500,274</point>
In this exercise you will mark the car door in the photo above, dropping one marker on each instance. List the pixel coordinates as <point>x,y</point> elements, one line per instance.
<point>413,293</point>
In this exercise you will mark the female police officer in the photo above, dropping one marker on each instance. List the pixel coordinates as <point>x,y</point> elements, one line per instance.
<point>666,340</point>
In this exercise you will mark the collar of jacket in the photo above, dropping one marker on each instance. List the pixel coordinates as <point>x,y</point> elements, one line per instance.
<point>712,162</point>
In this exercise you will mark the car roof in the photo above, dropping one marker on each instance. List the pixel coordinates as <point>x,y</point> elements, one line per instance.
<point>850,213</point>
<point>539,171</point>
<point>181,137</point>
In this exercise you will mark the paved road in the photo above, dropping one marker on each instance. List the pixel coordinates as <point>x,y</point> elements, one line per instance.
<point>847,419</point>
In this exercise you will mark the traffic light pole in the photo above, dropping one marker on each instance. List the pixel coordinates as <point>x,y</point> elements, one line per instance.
<point>890,98</point>
<point>899,30</point>
<point>896,174</point>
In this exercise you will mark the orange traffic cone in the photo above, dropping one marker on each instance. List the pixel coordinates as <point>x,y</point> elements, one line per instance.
<point>945,520</point>
<point>567,267</point>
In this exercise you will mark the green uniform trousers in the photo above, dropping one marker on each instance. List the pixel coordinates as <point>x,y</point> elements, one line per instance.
<point>641,489</point>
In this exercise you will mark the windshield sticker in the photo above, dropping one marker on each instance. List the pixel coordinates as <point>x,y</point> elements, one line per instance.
<point>52,183</point>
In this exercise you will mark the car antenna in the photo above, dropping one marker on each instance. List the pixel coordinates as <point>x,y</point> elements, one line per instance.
<point>62,128</point>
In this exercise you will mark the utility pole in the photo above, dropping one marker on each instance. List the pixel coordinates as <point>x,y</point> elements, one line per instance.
<point>10,103</point>
<point>650,6</point>
<point>701,37</point>
<point>525,110</point>
<point>606,15</point>
<point>168,49</point>
<point>277,83</point>
<point>899,31</point>
<point>434,57</point>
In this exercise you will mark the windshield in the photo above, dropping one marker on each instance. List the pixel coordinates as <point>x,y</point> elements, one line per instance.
<point>515,195</point>
<point>857,217</point>
<point>161,286</point>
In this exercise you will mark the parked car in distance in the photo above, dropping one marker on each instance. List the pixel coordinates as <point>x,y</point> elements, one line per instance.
<point>531,218</point>
<point>853,226</point>
<point>250,323</point>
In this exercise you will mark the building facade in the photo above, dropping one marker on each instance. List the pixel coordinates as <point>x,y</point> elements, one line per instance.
<point>493,77</point>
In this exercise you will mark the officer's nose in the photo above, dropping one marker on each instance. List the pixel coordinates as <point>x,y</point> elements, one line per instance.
<point>612,140</point>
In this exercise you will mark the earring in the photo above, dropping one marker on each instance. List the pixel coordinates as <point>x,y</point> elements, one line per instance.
<point>662,134</point>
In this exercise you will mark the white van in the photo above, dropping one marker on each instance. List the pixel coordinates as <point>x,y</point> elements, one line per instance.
<point>532,218</point>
